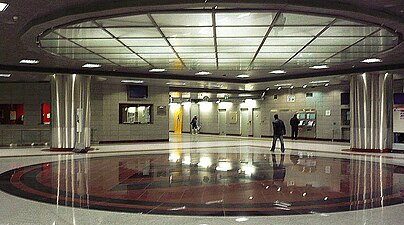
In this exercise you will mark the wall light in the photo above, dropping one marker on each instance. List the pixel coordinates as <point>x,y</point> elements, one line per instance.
<point>3,6</point>
<point>305,86</point>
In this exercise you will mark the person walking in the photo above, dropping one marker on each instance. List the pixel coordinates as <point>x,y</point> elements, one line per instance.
<point>279,131</point>
<point>194,125</point>
<point>294,123</point>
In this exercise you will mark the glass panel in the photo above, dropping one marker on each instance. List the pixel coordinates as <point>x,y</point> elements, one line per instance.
<point>368,48</point>
<point>134,32</point>
<point>191,41</point>
<point>239,41</point>
<point>237,49</point>
<point>347,23</point>
<point>197,55</point>
<point>11,114</point>
<point>106,50</point>
<point>158,56</point>
<point>120,56</point>
<point>137,62</point>
<point>81,25</point>
<point>244,19</point>
<point>83,33</point>
<point>57,43</point>
<point>268,48</point>
<point>241,32</point>
<point>200,61</point>
<point>51,35</point>
<point>248,55</point>
<point>233,66</point>
<point>152,49</point>
<point>138,20</point>
<point>99,61</point>
<point>324,48</point>
<point>134,114</point>
<point>199,19</point>
<point>68,50</point>
<point>300,19</point>
<point>97,42</point>
<point>353,55</point>
<point>304,62</point>
<point>194,49</point>
<point>275,55</point>
<point>379,41</point>
<point>145,42</point>
<point>384,32</point>
<point>236,61</point>
<point>164,61</point>
<point>188,32</point>
<point>296,31</point>
<point>287,40</point>
<point>308,55</point>
<point>81,56</point>
<point>136,65</point>
<point>335,41</point>
<point>349,31</point>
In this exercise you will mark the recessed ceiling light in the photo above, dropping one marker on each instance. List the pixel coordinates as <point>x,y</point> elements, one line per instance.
<point>156,70</point>
<point>201,73</point>
<point>319,67</point>
<point>278,72</point>
<point>282,85</point>
<point>245,95</point>
<point>29,61</point>
<point>372,60</point>
<point>5,74</point>
<point>267,89</point>
<point>176,83</point>
<point>327,84</point>
<point>291,87</point>
<point>91,65</point>
<point>3,6</point>
<point>242,219</point>
<point>243,76</point>
<point>132,81</point>
<point>279,88</point>
<point>319,81</point>
<point>305,86</point>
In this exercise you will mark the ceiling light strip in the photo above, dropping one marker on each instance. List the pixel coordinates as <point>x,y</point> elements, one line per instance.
<point>265,38</point>
<point>215,36</point>
<point>165,38</point>
<point>123,44</point>
<point>81,46</point>
<point>311,41</point>
<point>350,46</point>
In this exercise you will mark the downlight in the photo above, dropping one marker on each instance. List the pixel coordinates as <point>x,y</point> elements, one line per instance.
<point>91,65</point>
<point>372,60</point>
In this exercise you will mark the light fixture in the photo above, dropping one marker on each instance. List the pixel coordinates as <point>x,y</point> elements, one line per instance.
<point>29,61</point>
<point>291,87</point>
<point>203,73</point>
<point>319,67</point>
<point>278,71</point>
<point>214,85</point>
<point>5,74</point>
<point>319,81</point>
<point>327,84</point>
<point>243,76</point>
<point>91,65</point>
<point>176,83</point>
<point>372,60</point>
<point>133,81</point>
<point>3,6</point>
<point>245,95</point>
<point>267,89</point>
<point>305,86</point>
<point>279,88</point>
<point>282,85</point>
<point>218,101</point>
<point>242,219</point>
<point>155,70</point>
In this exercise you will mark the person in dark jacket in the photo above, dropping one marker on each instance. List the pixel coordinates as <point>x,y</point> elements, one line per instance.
<point>294,123</point>
<point>194,125</point>
<point>279,131</point>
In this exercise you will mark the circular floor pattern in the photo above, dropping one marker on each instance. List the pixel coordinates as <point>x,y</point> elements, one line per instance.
<point>217,184</point>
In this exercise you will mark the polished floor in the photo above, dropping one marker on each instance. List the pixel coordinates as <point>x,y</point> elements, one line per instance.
<point>202,179</point>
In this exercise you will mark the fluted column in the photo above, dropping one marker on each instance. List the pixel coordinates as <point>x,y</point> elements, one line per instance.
<point>70,104</point>
<point>372,112</point>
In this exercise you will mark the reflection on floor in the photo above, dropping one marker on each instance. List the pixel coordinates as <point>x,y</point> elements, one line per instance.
<point>236,180</point>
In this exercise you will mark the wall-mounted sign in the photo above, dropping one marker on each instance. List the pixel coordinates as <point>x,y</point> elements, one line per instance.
<point>328,112</point>
<point>233,117</point>
<point>161,110</point>
<point>291,98</point>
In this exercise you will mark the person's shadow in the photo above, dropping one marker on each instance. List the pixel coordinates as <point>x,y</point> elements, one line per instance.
<point>279,171</point>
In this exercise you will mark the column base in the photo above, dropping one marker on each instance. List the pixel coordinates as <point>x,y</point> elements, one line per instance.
<point>371,150</point>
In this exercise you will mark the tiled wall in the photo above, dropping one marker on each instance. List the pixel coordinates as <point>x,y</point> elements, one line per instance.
<point>105,114</point>
<point>324,98</point>
<point>32,95</point>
